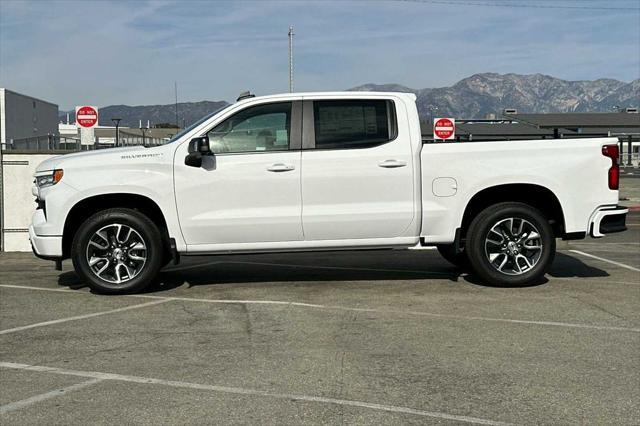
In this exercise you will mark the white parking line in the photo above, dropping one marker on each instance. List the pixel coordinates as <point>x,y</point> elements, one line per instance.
<point>12,406</point>
<point>253,392</point>
<point>372,310</point>
<point>587,280</point>
<point>398,312</point>
<point>580,243</point>
<point>79,317</point>
<point>602,259</point>
<point>28,287</point>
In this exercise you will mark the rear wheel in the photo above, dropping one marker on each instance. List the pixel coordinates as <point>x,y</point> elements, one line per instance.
<point>510,244</point>
<point>117,251</point>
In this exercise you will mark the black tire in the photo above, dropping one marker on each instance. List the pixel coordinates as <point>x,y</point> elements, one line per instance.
<point>458,259</point>
<point>496,218</point>
<point>144,228</point>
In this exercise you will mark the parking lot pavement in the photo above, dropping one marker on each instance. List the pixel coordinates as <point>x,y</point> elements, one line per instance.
<point>373,337</point>
<point>630,188</point>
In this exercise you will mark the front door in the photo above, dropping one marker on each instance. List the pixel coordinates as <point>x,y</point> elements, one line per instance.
<point>249,190</point>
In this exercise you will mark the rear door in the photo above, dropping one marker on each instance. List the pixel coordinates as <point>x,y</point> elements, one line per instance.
<point>357,171</point>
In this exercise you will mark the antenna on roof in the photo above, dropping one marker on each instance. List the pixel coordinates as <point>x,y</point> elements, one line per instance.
<point>245,95</point>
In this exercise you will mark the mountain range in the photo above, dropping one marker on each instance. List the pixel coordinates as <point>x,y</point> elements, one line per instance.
<point>483,94</point>
<point>477,96</point>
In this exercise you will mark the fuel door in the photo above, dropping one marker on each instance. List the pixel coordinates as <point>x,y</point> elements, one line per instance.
<point>444,187</point>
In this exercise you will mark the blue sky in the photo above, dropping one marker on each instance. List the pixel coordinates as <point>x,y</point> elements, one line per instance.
<point>131,52</point>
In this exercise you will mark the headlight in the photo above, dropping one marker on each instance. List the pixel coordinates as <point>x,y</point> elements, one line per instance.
<point>50,179</point>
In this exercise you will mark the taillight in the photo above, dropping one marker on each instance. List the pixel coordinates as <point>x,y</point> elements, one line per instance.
<point>613,152</point>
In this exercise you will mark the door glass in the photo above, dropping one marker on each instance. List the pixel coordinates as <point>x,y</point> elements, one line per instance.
<point>255,129</point>
<point>353,123</point>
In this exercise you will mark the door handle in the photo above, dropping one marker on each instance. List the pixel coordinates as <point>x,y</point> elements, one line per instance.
<point>391,164</point>
<point>280,167</point>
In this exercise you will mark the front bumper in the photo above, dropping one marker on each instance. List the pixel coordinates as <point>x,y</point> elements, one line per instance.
<point>608,220</point>
<point>45,247</point>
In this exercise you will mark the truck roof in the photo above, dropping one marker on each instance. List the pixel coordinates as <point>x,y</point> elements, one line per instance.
<point>321,95</point>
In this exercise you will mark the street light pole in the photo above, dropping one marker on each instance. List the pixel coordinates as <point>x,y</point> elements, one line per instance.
<point>144,142</point>
<point>116,121</point>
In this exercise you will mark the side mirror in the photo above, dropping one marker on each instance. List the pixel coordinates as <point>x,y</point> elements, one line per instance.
<point>193,159</point>
<point>200,145</point>
<point>197,148</point>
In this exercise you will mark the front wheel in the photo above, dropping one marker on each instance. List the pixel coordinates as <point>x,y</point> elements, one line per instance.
<point>510,244</point>
<point>117,251</point>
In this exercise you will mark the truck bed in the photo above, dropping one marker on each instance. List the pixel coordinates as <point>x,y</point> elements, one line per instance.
<point>575,170</point>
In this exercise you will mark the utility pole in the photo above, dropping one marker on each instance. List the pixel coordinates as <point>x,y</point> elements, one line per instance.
<point>175,86</point>
<point>291,59</point>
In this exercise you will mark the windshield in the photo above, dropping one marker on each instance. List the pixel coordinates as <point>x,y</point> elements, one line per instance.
<point>194,125</point>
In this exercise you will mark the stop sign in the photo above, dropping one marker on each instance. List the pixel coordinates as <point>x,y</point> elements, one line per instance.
<point>444,128</point>
<point>86,116</point>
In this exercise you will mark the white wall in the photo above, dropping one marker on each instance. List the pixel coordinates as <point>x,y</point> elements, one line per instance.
<point>19,203</point>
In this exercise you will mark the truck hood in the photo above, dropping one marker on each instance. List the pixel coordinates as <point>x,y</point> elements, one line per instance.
<point>69,160</point>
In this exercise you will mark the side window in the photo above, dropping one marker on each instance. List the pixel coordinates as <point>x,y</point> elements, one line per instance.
<point>353,123</point>
<point>255,129</point>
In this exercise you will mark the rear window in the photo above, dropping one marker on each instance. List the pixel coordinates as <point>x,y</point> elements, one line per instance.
<point>353,123</point>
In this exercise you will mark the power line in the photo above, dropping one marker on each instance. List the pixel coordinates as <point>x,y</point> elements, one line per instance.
<point>519,5</point>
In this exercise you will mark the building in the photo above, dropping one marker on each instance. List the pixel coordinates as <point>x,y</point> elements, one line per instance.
<point>23,117</point>
<point>624,125</point>
<point>105,136</point>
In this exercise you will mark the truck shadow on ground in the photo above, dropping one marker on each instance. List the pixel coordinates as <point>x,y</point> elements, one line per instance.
<point>227,270</point>
<point>565,266</point>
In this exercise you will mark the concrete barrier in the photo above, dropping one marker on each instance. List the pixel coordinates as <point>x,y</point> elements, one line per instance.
<point>17,201</point>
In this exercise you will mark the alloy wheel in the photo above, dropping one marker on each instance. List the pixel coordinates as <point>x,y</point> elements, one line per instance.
<point>116,253</point>
<point>513,246</point>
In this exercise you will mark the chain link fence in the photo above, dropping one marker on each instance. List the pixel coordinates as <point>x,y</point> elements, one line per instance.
<point>47,143</point>
<point>43,143</point>
<point>630,161</point>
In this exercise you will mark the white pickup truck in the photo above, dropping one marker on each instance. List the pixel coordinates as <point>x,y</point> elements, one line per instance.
<point>322,171</point>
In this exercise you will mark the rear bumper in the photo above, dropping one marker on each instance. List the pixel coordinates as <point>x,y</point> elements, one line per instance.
<point>49,247</point>
<point>608,220</point>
